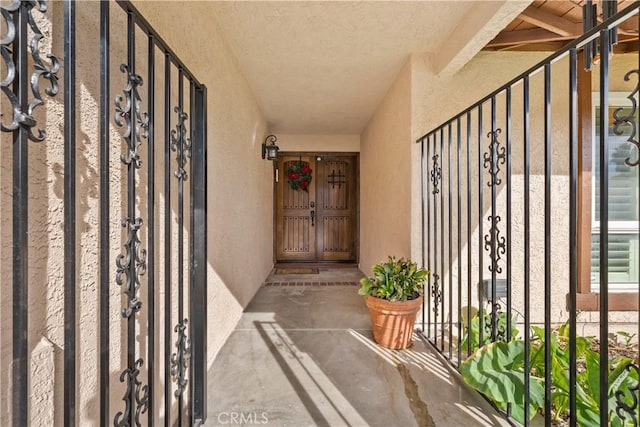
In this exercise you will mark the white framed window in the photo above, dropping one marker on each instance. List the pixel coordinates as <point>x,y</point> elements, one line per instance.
<point>623,201</point>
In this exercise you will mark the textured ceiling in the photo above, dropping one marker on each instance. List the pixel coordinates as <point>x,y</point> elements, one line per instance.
<point>323,67</point>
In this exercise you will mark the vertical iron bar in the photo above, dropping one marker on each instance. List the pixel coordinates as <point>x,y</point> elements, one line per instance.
<point>435,249</point>
<point>604,227</point>
<point>20,378</point>
<point>151,227</point>
<point>547,243</point>
<point>527,247</point>
<point>69,214</point>
<point>493,152</point>
<point>508,189</point>
<point>459,220</point>
<point>180,153</point>
<point>480,232</point>
<point>430,276</point>
<point>167,240</point>
<point>192,130</point>
<point>587,24</point>
<point>131,208</point>
<point>573,226</point>
<point>469,276</point>
<point>422,229</point>
<point>442,272</point>
<point>450,241</point>
<point>199,269</point>
<point>104,214</point>
<point>508,244</point>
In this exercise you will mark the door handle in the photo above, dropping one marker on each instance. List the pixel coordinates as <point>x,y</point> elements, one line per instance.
<point>313,218</point>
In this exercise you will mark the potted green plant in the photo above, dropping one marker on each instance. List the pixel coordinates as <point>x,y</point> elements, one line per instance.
<point>394,296</point>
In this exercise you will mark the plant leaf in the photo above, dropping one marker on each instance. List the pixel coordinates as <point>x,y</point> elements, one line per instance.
<point>496,371</point>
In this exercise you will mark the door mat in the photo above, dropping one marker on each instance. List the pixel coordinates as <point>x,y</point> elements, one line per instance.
<point>298,270</point>
<point>285,284</point>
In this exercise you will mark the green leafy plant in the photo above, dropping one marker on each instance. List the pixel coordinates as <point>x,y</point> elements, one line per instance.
<point>497,370</point>
<point>394,280</point>
<point>628,338</point>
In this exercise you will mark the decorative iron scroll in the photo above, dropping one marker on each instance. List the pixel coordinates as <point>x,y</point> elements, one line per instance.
<point>136,122</point>
<point>133,263</point>
<point>494,158</point>
<point>436,174</point>
<point>137,257</point>
<point>627,403</point>
<point>500,248</point>
<point>180,144</point>
<point>21,118</point>
<point>629,119</point>
<point>493,242</point>
<point>436,293</point>
<point>135,392</point>
<point>180,358</point>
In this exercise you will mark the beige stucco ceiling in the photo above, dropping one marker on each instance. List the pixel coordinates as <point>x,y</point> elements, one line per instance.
<point>322,67</point>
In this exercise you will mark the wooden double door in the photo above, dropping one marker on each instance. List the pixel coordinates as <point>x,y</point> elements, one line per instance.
<point>318,221</point>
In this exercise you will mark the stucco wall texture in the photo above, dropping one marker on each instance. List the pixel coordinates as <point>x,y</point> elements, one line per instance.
<point>240,204</point>
<point>385,177</point>
<point>320,143</point>
<point>240,194</point>
<point>436,99</point>
<point>423,100</point>
<point>240,208</point>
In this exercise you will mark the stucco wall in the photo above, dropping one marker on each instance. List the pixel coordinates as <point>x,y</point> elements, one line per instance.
<point>239,208</point>
<point>437,98</point>
<point>385,176</point>
<point>331,143</point>
<point>239,228</point>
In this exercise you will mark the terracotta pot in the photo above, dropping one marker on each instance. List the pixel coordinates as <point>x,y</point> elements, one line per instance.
<point>393,321</point>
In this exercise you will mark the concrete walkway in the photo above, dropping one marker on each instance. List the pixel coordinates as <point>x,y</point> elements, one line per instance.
<point>303,355</point>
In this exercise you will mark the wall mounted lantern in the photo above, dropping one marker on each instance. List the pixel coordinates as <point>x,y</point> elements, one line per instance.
<point>269,148</point>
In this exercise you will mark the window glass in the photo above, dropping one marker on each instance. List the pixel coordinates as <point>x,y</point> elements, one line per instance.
<point>623,190</point>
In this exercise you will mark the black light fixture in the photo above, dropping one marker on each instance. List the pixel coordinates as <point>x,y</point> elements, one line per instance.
<point>269,148</point>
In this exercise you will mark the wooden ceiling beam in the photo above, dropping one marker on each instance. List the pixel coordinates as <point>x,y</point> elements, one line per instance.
<point>535,35</point>
<point>533,47</point>
<point>550,22</point>
<point>628,27</point>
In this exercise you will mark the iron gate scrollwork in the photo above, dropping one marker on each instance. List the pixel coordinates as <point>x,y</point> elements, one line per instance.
<point>627,396</point>
<point>18,19</point>
<point>519,237</point>
<point>133,271</point>
<point>133,263</point>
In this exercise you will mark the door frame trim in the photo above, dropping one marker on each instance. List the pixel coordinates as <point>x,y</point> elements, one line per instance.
<point>356,156</point>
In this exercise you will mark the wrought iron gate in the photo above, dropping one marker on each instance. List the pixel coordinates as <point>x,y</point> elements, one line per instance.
<point>151,203</point>
<point>489,253</point>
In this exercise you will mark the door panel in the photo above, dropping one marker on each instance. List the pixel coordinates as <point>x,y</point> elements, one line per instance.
<point>295,230</point>
<point>336,209</point>
<point>321,224</point>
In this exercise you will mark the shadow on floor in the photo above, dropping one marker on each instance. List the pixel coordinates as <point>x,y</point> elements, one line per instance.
<point>304,356</point>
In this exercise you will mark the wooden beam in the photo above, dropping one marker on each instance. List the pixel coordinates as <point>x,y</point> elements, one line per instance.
<point>551,22</point>
<point>533,47</point>
<point>585,148</point>
<point>535,35</point>
<point>617,302</point>
<point>629,27</point>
